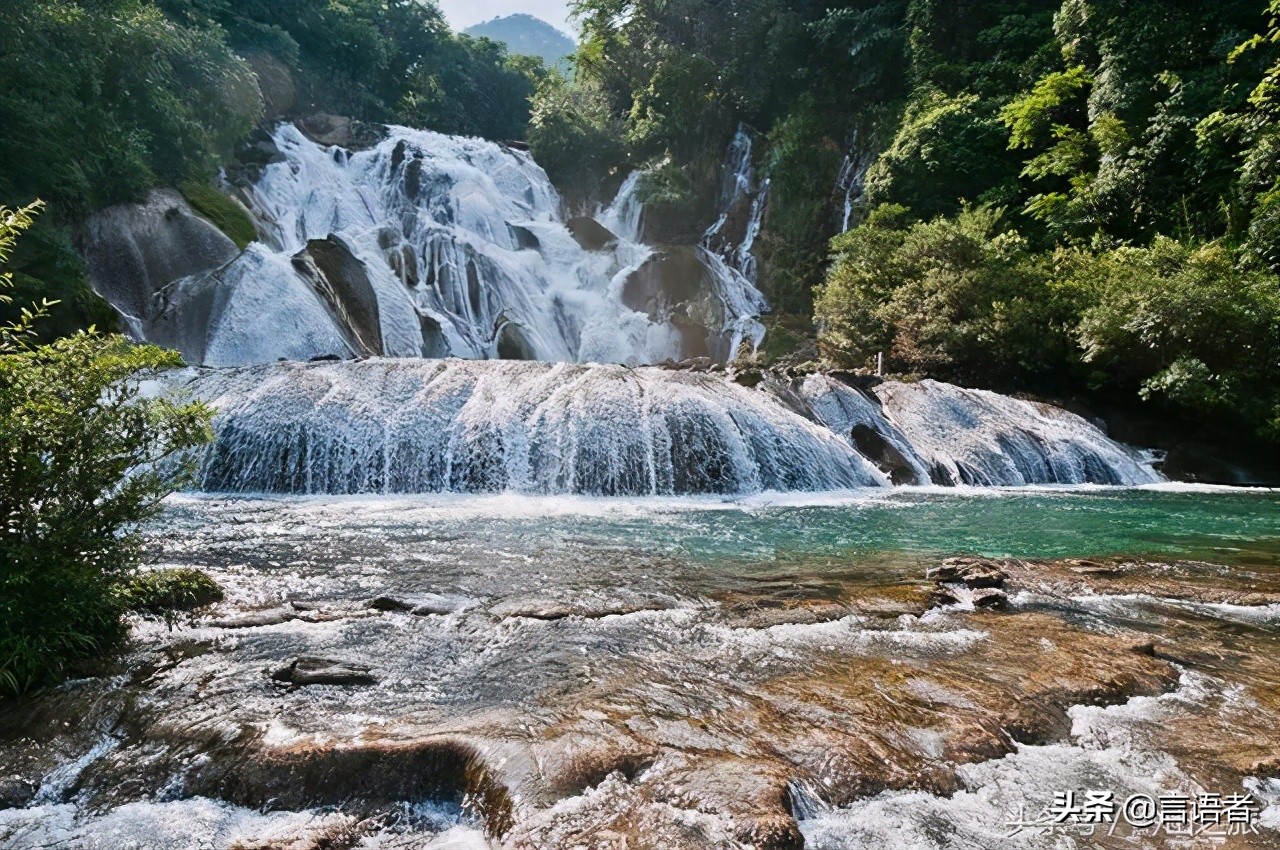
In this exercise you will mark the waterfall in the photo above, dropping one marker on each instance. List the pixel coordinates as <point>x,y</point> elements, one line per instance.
<point>852,180</point>
<point>424,245</point>
<point>982,438</point>
<point>625,215</point>
<point>417,426</point>
<point>414,426</point>
<point>742,205</point>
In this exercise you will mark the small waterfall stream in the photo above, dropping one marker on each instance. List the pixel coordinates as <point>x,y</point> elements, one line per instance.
<point>742,205</point>
<point>852,180</point>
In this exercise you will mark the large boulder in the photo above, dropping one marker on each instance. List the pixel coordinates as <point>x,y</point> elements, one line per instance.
<point>275,83</point>
<point>672,287</point>
<point>343,282</point>
<point>341,131</point>
<point>256,309</point>
<point>591,234</point>
<point>132,251</point>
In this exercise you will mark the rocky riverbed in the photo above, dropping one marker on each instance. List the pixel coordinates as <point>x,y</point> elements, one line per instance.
<point>395,682</point>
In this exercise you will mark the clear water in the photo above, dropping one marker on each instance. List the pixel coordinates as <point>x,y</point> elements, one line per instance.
<point>672,568</point>
<point>1171,520</point>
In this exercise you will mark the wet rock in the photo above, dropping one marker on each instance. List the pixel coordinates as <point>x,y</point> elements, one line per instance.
<point>255,619</point>
<point>972,572</point>
<point>390,603</point>
<point>514,344</point>
<point>749,378</point>
<point>1179,580</point>
<point>551,610</point>
<point>309,670</point>
<point>132,251</point>
<point>362,778</point>
<point>671,286</point>
<point>341,131</point>
<point>16,792</point>
<point>341,279</point>
<point>989,598</point>
<point>591,234</point>
<point>420,606</point>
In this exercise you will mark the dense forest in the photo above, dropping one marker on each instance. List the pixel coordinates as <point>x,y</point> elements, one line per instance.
<point>1076,199</point>
<point>1079,199</point>
<point>100,100</point>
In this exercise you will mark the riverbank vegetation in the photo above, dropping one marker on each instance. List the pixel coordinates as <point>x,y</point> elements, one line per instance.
<point>87,456</point>
<point>1079,198</point>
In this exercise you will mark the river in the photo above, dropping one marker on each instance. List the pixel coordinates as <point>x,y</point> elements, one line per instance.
<point>700,672</point>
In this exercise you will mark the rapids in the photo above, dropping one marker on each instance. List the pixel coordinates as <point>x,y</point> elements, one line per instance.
<point>683,670</point>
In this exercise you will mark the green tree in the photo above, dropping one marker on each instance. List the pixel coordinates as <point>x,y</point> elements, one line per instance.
<point>1183,327</point>
<point>88,455</point>
<point>574,137</point>
<point>959,298</point>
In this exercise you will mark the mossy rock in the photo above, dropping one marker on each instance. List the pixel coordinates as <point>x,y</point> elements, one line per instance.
<point>162,592</point>
<point>223,212</point>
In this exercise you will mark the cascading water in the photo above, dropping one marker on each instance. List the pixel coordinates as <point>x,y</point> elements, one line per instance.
<point>982,438</point>
<point>427,246</point>
<point>742,205</point>
<point>415,426</point>
<point>625,216</point>
<point>852,180</point>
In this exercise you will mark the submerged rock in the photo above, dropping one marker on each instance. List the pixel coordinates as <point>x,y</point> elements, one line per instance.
<point>257,619</point>
<point>324,671</point>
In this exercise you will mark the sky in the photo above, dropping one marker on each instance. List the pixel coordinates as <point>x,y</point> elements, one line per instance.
<point>464,13</point>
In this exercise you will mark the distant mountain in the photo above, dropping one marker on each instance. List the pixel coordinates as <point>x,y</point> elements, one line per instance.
<point>530,36</point>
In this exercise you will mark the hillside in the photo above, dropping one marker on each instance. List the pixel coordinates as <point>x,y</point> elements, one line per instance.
<point>528,35</point>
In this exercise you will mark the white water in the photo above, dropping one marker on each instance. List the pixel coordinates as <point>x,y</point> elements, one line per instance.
<point>452,247</point>
<point>625,216</point>
<point>427,426</point>
<point>985,439</point>
<point>420,426</point>
<point>738,188</point>
<point>852,180</point>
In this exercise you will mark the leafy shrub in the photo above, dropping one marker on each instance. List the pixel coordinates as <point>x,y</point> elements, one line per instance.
<point>82,448</point>
<point>162,592</point>
<point>963,299</point>
<point>1183,326</point>
<point>573,136</point>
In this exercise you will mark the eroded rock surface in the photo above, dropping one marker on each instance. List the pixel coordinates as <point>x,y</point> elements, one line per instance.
<point>726,715</point>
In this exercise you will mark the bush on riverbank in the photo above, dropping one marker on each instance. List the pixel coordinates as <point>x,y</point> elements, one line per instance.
<point>163,593</point>
<point>83,450</point>
<point>1192,329</point>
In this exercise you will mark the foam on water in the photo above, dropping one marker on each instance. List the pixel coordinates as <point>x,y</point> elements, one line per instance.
<point>1109,749</point>
<point>423,426</point>
<point>412,426</point>
<point>983,438</point>
<point>467,234</point>
<point>202,824</point>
